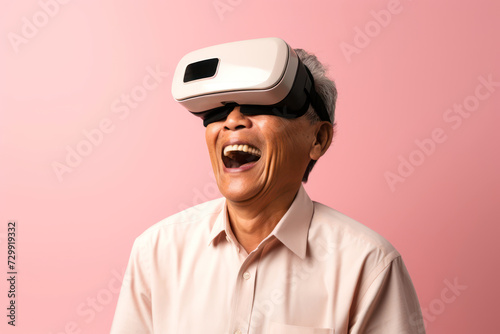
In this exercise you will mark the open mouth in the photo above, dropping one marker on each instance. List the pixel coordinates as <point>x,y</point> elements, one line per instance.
<point>235,156</point>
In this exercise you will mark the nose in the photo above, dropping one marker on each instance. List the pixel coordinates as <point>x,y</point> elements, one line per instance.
<point>236,120</point>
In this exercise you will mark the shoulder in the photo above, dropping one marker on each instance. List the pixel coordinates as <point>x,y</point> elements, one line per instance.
<point>197,218</point>
<point>357,241</point>
<point>360,254</point>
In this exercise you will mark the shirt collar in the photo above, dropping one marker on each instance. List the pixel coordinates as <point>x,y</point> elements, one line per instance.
<point>292,230</point>
<point>220,224</point>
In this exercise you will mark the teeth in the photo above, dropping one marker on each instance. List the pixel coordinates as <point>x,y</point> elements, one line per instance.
<point>243,148</point>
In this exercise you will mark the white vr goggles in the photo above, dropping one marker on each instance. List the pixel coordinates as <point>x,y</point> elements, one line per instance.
<point>263,76</point>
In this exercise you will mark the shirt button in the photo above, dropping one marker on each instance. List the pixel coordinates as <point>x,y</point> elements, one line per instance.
<point>246,275</point>
<point>237,331</point>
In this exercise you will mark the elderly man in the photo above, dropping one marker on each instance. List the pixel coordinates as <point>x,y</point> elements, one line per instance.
<point>265,258</point>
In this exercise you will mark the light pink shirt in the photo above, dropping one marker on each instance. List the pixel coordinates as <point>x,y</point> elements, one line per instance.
<point>319,272</point>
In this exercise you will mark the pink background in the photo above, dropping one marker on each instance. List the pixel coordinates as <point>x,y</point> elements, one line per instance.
<point>397,81</point>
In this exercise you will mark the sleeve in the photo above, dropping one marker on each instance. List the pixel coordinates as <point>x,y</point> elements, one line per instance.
<point>133,311</point>
<point>389,304</point>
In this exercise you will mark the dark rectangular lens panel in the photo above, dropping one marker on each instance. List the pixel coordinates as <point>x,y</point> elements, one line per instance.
<point>201,69</point>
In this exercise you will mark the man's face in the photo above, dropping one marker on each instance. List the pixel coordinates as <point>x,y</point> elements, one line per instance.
<point>277,153</point>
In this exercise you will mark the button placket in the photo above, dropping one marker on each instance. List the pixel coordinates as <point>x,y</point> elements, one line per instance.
<point>245,294</point>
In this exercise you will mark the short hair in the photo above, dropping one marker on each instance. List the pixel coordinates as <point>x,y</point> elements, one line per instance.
<point>325,88</point>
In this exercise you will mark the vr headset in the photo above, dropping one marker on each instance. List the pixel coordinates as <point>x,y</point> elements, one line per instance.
<point>263,76</point>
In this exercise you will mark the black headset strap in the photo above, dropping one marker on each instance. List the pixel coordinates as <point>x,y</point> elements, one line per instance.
<point>316,101</point>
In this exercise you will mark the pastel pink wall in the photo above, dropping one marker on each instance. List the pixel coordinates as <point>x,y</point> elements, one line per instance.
<point>405,161</point>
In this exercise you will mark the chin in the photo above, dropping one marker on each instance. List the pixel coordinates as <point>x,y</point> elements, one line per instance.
<point>238,191</point>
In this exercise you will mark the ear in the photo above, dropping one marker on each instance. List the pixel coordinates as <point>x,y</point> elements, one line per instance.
<point>322,140</point>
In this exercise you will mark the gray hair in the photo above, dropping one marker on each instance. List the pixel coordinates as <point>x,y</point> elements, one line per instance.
<point>326,90</point>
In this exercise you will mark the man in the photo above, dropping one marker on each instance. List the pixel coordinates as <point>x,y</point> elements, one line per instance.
<point>265,258</point>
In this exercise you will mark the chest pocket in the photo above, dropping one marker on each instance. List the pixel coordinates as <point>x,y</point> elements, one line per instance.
<point>275,328</point>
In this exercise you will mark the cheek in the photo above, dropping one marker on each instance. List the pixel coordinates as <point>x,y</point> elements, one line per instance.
<point>289,140</point>
<point>296,139</point>
<point>211,136</point>
<point>208,134</point>
<point>297,147</point>
<point>211,140</point>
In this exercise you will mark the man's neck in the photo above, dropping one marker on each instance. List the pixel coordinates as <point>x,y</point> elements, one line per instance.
<point>252,221</point>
